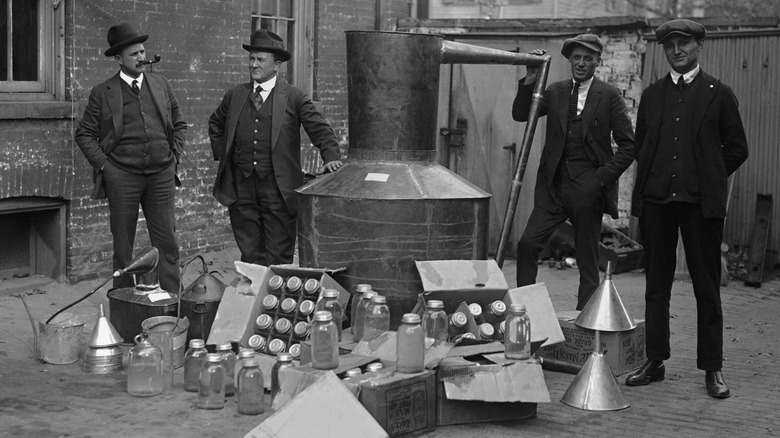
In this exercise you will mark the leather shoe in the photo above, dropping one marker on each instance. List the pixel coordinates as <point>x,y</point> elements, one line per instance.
<point>716,386</point>
<point>651,371</point>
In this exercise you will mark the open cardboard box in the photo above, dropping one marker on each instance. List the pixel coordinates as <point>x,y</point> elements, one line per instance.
<point>458,281</point>
<point>544,321</point>
<point>384,347</point>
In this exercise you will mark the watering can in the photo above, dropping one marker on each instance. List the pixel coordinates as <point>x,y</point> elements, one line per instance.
<point>199,302</point>
<point>57,341</point>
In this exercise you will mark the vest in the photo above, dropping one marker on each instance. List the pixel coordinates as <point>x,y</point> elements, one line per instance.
<point>674,174</point>
<point>252,145</point>
<point>575,157</point>
<point>143,147</point>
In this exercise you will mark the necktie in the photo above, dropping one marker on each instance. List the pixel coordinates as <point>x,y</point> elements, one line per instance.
<point>136,90</point>
<point>573,98</point>
<point>257,98</point>
<point>681,84</point>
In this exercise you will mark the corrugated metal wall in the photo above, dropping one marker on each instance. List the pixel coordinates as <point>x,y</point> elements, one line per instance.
<point>749,62</point>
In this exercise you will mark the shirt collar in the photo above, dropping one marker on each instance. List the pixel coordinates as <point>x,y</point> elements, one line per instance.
<point>584,85</point>
<point>687,77</point>
<point>129,79</point>
<point>267,85</point>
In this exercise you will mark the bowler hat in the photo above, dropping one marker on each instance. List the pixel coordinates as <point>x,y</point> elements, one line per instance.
<point>121,36</point>
<point>587,40</point>
<point>680,26</point>
<point>266,41</point>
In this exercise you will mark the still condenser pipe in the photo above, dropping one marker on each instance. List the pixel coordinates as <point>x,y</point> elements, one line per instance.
<point>392,204</point>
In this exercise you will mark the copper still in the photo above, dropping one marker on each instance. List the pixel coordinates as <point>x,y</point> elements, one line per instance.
<point>392,204</point>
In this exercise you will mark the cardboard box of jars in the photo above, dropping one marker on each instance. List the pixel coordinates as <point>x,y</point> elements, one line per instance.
<point>293,293</point>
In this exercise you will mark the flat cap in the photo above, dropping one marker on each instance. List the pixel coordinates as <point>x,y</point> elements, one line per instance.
<point>680,26</point>
<point>587,40</point>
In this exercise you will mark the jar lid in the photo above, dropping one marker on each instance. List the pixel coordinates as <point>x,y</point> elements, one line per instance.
<point>256,341</point>
<point>276,282</point>
<point>245,353</point>
<point>367,295</point>
<point>475,309</point>
<point>301,328</point>
<point>283,325</point>
<point>379,299</point>
<point>288,305</point>
<point>459,319</point>
<point>293,284</point>
<point>251,362</point>
<point>498,307</point>
<point>468,335</point>
<point>410,318</point>
<point>435,304</point>
<point>306,307</point>
<point>197,343</point>
<point>363,288</point>
<point>353,372</point>
<point>486,330</point>
<point>224,346</point>
<point>276,346</point>
<point>311,286</point>
<point>330,293</point>
<point>295,351</point>
<point>323,315</point>
<point>502,327</point>
<point>373,367</point>
<point>270,301</point>
<point>264,321</point>
<point>214,357</point>
<point>517,308</point>
<point>283,357</point>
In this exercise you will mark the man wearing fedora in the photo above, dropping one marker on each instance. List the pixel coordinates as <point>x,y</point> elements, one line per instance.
<point>255,136</point>
<point>578,171</point>
<point>132,133</point>
<point>689,138</point>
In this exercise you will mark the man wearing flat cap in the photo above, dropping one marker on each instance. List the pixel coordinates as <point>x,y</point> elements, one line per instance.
<point>689,139</point>
<point>255,136</point>
<point>132,133</point>
<point>578,172</point>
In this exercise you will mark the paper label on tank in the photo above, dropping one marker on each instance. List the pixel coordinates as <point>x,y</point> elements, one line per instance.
<point>381,177</point>
<point>159,296</point>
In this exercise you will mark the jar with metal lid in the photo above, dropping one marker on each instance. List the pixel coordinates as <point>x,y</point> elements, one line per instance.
<point>283,326</point>
<point>517,340</point>
<point>457,324</point>
<point>330,302</point>
<point>301,329</point>
<point>294,285</point>
<point>229,363</point>
<point>352,372</point>
<point>283,360</point>
<point>496,312</point>
<point>410,345</point>
<point>275,284</point>
<point>145,368</point>
<point>250,388</point>
<point>306,308</point>
<point>256,342</point>
<point>295,351</point>
<point>476,312</point>
<point>269,303</point>
<point>311,287</point>
<point>462,336</point>
<point>288,305</point>
<point>276,346</point>
<point>263,323</point>
<point>377,320</point>
<point>359,320</point>
<point>434,321</point>
<point>324,342</point>
<point>194,359</point>
<point>243,355</point>
<point>486,331</point>
<point>374,367</point>
<point>500,330</point>
<point>211,393</point>
<point>355,300</point>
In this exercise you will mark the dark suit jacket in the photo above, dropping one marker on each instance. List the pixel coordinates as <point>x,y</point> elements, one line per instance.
<point>719,141</point>
<point>603,118</point>
<point>101,127</point>
<point>291,109</point>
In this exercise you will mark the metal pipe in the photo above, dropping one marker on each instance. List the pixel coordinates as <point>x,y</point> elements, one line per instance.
<point>460,53</point>
<point>525,150</point>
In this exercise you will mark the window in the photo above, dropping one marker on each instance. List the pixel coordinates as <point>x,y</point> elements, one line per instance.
<point>293,20</point>
<point>31,45</point>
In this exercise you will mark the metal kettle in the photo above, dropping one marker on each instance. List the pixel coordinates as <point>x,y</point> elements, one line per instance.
<point>200,300</point>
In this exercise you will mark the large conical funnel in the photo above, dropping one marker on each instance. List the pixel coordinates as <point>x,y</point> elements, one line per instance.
<point>104,334</point>
<point>605,310</point>
<point>595,388</point>
<point>143,263</point>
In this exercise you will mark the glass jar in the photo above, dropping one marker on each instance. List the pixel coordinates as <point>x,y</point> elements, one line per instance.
<point>276,346</point>
<point>311,288</point>
<point>410,345</point>
<point>377,319</point>
<point>282,326</point>
<point>434,321</point>
<point>356,297</point>
<point>352,372</point>
<point>306,308</point>
<point>359,321</point>
<point>283,360</point>
<point>324,342</point>
<point>288,305</point>
<point>144,368</point>
<point>211,392</point>
<point>517,340</point>
<point>476,312</point>
<point>458,324</point>
<point>256,342</point>
<point>294,285</point>
<point>330,302</point>
<point>250,388</point>
<point>374,367</point>
<point>301,329</point>
<point>275,284</point>
<point>500,330</point>
<point>269,303</point>
<point>486,331</point>
<point>229,363</point>
<point>263,323</point>
<point>496,312</point>
<point>194,359</point>
<point>243,355</point>
<point>295,351</point>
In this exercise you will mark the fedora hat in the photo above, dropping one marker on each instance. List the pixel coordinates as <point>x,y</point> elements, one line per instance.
<point>266,41</point>
<point>587,40</point>
<point>121,36</point>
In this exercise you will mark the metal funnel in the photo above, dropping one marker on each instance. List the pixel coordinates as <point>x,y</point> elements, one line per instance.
<point>104,334</point>
<point>143,263</point>
<point>605,310</point>
<point>595,388</point>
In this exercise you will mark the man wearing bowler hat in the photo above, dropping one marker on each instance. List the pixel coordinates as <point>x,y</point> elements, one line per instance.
<point>132,133</point>
<point>578,172</point>
<point>689,139</point>
<point>255,136</point>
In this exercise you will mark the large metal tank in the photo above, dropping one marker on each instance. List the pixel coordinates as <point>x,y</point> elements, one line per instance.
<point>391,204</point>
